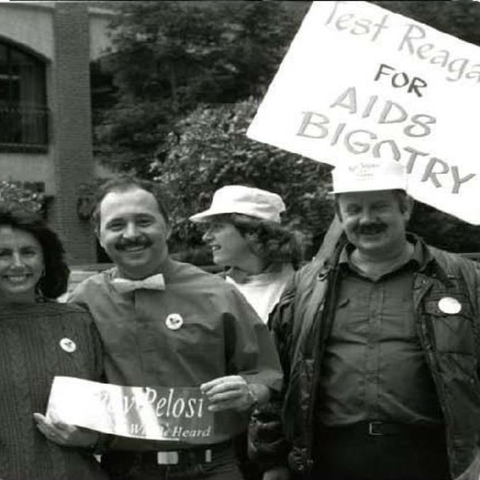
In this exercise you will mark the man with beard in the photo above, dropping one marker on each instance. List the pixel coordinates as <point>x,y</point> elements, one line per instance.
<point>380,347</point>
<point>170,324</point>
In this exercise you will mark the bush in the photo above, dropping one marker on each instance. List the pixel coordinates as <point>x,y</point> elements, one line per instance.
<point>209,149</point>
<point>16,195</point>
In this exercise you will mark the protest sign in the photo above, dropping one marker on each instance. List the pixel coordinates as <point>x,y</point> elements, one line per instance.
<point>361,82</point>
<point>156,413</point>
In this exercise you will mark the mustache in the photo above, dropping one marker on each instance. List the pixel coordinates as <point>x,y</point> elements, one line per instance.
<point>124,243</point>
<point>371,228</point>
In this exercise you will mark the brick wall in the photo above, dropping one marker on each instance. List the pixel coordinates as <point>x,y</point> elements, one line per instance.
<point>71,128</point>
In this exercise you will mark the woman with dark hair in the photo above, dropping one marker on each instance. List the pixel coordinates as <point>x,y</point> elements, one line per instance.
<point>40,340</point>
<point>245,235</point>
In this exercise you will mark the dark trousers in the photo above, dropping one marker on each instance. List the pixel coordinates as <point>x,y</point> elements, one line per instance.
<point>354,453</point>
<point>122,465</point>
<point>249,468</point>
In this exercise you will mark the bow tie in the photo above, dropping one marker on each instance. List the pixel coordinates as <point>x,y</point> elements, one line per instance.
<point>123,285</point>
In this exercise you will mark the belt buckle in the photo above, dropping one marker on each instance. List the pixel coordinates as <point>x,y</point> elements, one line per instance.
<point>167,458</point>
<point>374,429</point>
<point>208,455</point>
<point>173,457</point>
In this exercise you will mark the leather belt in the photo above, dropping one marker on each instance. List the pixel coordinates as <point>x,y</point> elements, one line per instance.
<point>173,457</point>
<point>377,428</point>
<point>203,454</point>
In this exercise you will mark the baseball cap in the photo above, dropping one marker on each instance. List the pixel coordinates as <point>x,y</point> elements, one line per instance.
<point>368,176</point>
<point>245,200</point>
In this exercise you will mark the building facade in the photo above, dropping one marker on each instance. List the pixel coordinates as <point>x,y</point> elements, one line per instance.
<point>46,49</point>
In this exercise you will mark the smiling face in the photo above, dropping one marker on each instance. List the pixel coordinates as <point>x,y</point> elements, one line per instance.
<point>229,248</point>
<point>21,265</point>
<point>133,232</point>
<point>375,222</point>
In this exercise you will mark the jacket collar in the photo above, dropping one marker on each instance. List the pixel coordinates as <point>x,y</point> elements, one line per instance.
<point>430,266</point>
<point>427,262</point>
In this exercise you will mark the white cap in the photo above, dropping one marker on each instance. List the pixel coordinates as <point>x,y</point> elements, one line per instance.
<point>245,200</point>
<point>368,176</point>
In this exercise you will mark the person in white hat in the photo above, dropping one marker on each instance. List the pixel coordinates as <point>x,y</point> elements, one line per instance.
<point>245,235</point>
<point>244,232</point>
<point>380,343</point>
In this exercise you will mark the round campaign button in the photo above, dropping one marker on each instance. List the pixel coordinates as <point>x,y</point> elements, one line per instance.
<point>68,345</point>
<point>174,321</point>
<point>449,305</point>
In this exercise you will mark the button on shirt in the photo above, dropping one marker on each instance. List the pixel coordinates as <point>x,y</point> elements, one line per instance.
<point>374,366</point>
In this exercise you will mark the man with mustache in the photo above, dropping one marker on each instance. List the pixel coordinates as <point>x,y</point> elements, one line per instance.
<point>380,347</point>
<point>170,324</point>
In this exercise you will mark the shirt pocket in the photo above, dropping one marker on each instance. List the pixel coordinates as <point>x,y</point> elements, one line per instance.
<point>350,318</point>
<point>452,332</point>
<point>197,340</point>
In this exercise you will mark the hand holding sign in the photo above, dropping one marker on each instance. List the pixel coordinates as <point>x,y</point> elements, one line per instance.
<point>63,434</point>
<point>170,414</point>
<point>229,393</point>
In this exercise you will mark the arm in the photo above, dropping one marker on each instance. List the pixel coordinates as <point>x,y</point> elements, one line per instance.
<point>51,425</point>
<point>234,393</point>
<point>65,435</point>
<point>253,369</point>
<point>473,471</point>
<point>267,443</point>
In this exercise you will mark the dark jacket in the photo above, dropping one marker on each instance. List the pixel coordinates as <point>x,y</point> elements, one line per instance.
<point>451,343</point>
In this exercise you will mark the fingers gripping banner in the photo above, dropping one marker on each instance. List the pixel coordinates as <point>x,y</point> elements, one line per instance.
<point>154,413</point>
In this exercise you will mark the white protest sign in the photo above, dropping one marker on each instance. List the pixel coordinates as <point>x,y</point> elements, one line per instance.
<point>360,82</point>
<point>155,413</point>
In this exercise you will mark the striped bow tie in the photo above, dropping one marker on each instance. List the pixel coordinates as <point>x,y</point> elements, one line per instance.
<point>123,285</point>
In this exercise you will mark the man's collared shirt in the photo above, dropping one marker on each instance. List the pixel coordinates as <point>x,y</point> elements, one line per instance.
<point>197,329</point>
<point>374,367</point>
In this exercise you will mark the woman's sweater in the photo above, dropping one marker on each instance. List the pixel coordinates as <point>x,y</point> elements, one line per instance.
<point>37,342</point>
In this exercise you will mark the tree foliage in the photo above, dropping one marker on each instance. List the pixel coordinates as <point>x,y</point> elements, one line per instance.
<point>170,56</point>
<point>189,76</point>
<point>210,149</point>
<point>444,231</point>
<point>458,18</point>
<point>15,195</point>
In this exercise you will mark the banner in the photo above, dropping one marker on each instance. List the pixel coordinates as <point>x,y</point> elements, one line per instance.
<point>361,82</point>
<point>154,413</point>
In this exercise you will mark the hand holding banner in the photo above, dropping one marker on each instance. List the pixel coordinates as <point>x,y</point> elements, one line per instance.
<point>154,413</point>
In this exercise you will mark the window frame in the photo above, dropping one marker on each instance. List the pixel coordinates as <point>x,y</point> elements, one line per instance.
<point>25,115</point>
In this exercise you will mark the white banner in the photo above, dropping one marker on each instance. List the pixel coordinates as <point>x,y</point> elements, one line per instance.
<point>361,82</point>
<point>155,413</point>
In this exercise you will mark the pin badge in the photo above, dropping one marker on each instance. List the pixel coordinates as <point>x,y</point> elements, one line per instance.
<point>174,321</point>
<point>449,305</point>
<point>68,345</point>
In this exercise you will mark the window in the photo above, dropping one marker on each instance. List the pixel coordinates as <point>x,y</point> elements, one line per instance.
<point>23,101</point>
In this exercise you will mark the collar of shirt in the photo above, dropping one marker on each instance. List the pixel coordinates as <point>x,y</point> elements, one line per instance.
<point>165,270</point>
<point>266,276</point>
<point>419,260</point>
